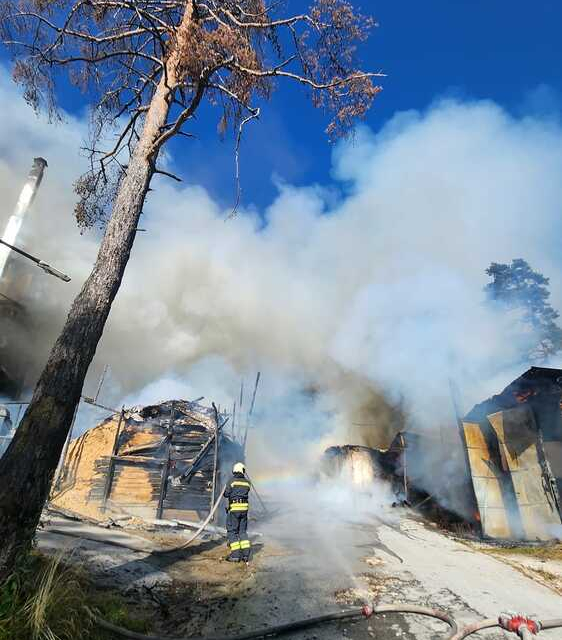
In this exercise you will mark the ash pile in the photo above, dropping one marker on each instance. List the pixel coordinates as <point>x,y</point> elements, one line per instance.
<point>496,473</point>
<point>163,462</point>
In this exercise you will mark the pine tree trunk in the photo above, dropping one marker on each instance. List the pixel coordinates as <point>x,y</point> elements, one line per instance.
<point>28,466</point>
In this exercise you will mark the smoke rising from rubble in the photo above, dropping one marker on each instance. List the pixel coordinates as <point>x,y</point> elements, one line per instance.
<point>357,309</point>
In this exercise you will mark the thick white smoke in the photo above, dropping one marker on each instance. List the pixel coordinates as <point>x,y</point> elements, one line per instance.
<point>339,295</point>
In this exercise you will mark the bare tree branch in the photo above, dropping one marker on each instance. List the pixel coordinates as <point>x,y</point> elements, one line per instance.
<point>254,115</point>
<point>320,86</point>
<point>230,55</point>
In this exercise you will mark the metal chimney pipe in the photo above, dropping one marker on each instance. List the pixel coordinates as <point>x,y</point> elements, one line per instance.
<point>25,200</point>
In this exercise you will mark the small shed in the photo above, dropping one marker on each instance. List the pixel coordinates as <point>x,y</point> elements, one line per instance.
<point>165,461</point>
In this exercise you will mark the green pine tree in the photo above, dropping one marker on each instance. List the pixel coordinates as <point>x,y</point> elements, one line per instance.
<point>518,286</point>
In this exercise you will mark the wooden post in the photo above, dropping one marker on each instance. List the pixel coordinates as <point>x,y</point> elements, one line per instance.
<point>404,467</point>
<point>111,469</point>
<point>216,457</point>
<point>250,413</point>
<point>166,467</point>
<point>102,379</point>
<point>61,473</point>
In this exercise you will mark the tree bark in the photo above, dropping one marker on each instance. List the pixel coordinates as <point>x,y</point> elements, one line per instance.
<point>28,466</point>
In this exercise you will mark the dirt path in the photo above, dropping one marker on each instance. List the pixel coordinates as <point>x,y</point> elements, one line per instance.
<point>305,565</point>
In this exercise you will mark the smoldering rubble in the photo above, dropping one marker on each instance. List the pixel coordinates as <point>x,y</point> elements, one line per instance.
<point>497,470</point>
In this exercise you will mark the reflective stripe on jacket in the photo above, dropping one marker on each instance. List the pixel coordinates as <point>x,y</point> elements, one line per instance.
<point>236,492</point>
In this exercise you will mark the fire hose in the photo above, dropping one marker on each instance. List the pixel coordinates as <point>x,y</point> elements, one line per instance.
<point>197,533</point>
<point>525,627</point>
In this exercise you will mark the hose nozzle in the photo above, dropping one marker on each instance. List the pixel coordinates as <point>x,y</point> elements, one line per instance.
<point>367,610</point>
<point>521,624</point>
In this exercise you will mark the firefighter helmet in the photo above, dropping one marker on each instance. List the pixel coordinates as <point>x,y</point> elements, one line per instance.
<point>239,468</point>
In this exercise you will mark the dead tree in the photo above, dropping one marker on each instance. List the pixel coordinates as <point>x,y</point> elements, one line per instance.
<point>146,67</point>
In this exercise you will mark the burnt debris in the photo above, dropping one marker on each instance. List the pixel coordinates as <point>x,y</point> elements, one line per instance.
<point>501,479</point>
<point>165,461</point>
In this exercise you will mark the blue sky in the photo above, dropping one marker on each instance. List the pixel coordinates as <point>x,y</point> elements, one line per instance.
<point>507,51</point>
<point>503,50</point>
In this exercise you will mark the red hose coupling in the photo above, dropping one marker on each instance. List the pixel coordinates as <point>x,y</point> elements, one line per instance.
<point>367,610</point>
<point>514,622</point>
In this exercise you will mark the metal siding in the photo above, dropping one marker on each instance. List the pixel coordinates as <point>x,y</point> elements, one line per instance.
<point>517,437</point>
<point>486,479</point>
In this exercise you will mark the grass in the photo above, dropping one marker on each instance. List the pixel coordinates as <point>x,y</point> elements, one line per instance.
<point>44,599</point>
<point>547,552</point>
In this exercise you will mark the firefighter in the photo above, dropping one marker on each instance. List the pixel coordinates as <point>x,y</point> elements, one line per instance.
<point>236,492</point>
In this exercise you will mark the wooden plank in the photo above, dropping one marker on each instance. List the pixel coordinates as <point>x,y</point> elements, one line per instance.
<point>137,460</point>
<point>215,458</point>
<point>111,469</point>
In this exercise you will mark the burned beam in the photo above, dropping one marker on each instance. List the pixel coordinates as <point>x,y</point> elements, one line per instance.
<point>166,467</point>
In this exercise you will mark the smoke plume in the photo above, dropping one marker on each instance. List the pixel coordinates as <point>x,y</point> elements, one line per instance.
<point>358,302</point>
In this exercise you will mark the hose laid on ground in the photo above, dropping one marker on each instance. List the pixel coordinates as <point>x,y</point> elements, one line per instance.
<point>155,552</point>
<point>144,550</point>
<point>270,631</point>
<point>412,608</point>
<point>551,624</point>
<point>161,552</point>
<point>347,614</point>
<point>473,628</point>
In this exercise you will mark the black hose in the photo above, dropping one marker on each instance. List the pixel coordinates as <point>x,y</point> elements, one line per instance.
<point>249,635</point>
<point>347,614</point>
<point>197,533</point>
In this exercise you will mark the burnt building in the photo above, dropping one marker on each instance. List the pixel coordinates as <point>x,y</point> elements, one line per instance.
<point>513,444</point>
<point>166,461</point>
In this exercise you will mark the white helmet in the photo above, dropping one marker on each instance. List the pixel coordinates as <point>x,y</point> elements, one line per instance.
<point>239,468</point>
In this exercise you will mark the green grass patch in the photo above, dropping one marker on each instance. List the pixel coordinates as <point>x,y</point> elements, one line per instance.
<point>44,599</point>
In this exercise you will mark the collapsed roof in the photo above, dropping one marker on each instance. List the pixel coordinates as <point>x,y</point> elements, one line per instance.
<point>540,388</point>
<point>163,461</point>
